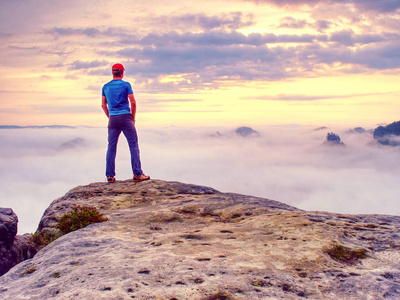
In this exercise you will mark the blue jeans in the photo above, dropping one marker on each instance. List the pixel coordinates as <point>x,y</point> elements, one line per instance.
<point>116,124</point>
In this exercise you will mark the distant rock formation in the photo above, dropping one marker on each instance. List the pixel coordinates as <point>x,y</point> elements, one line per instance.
<point>216,135</point>
<point>170,240</point>
<point>356,130</point>
<point>13,249</point>
<point>333,139</point>
<point>388,135</point>
<point>246,131</point>
<point>75,143</point>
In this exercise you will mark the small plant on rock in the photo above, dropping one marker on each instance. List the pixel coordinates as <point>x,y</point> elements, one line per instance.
<point>41,239</point>
<point>30,268</point>
<point>80,217</point>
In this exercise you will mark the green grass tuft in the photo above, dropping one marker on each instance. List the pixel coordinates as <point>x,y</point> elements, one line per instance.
<point>80,217</point>
<point>30,268</point>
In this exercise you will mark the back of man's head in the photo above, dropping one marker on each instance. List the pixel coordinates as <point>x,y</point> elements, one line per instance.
<point>118,70</point>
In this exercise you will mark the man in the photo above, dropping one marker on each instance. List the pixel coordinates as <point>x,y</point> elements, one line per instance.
<point>116,96</point>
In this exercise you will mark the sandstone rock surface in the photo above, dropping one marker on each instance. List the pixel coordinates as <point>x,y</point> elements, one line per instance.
<point>169,240</point>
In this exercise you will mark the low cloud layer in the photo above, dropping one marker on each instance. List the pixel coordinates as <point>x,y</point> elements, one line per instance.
<point>287,163</point>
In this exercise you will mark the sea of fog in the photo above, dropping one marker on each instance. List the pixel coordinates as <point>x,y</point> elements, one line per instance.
<point>290,164</point>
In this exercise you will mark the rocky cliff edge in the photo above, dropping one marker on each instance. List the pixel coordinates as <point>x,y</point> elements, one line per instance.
<point>170,240</point>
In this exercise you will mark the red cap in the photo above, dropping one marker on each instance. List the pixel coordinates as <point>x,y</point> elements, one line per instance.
<point>119,67</point>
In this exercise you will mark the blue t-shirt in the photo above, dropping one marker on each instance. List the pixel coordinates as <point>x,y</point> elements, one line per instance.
<point>116,92</point>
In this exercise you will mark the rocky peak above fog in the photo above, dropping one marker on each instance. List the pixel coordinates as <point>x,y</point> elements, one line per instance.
<point>388,135</point>
<point>333,139</point>
<point>246,131</point>
<point>170,240</point>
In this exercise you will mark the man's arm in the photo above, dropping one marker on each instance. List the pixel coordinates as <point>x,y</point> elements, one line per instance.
<point>104,106</point>
<point>133,106</point>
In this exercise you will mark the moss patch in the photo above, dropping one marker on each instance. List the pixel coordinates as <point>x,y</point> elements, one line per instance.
<point>346,255</point>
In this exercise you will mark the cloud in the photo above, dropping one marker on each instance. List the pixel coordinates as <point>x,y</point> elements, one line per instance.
<point>68,31</point>
<point>28,16</point>
<point>185,22</point>
<point>91,32</point>
<point>285,163</point>
<point>214,45</point>
<point>287,2</point>
<point>230,20</point>
<point>78,64</point>
<point>322,25</point>
<point>375,56</point>
<point>221,38</point>
<point>220,55</point>
<point>365,5</point>
<point>15,47</point>
<point>290,22</point>
<point>385,56</point>
<point>213,55</point>
<point>188,21</point>
<point>299,97</point>
<point>381,6</point>
<point>348,38</point>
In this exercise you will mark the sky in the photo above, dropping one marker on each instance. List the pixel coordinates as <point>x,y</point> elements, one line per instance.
<point>203,63</point>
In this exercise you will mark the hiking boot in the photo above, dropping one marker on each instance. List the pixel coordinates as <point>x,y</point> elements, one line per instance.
<point>140,178</point>
<point>110,179</point>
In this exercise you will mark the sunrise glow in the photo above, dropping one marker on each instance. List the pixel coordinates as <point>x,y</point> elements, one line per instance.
<point>203,63</point>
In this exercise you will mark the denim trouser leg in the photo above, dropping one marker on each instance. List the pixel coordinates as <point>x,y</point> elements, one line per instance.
<point>125,124</point>
<point>131,136</point>
<point>113,135</point>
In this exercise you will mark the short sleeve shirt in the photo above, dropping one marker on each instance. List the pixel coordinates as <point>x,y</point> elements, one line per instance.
<point>116,92</point>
